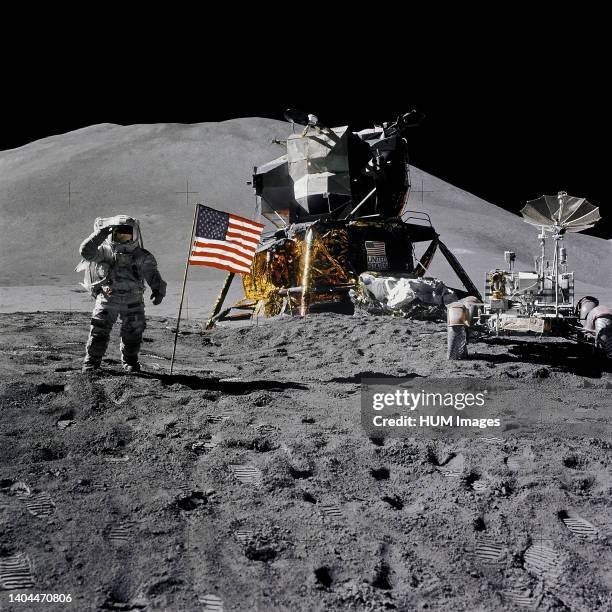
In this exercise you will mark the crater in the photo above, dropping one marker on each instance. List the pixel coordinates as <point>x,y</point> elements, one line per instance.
<point>260,445</point>
<point>381,577</point>
<point>257,551</point>
<point>381,473</point>
<point>192,501</point>
<point>470,479</point>
<point>323,576</point>
<point>163,586</point>
<point>478,524</point>
<point>433,458</point>
<point>395,502</point>
<point>48,453</point>
<point>45,388</point>
<point>573,462</point>
<point>299,473</point>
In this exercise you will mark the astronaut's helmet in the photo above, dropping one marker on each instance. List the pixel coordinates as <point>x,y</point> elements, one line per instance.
<point>125,235</point>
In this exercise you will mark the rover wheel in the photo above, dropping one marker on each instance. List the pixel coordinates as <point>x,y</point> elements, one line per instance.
<point>457,342</point>
<point>603,336</point>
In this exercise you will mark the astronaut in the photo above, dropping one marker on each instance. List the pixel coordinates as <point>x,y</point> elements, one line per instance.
<point>118,266</point>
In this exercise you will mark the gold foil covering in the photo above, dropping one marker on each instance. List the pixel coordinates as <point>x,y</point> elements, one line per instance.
<point>280,267</point>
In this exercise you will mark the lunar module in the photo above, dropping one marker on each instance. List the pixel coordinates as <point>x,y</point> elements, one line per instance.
<point>539,301</point>
<point>338,201</point>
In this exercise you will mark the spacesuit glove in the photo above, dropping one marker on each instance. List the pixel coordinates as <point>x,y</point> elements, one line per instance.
<point>157,298</point>
<point>100,236</point>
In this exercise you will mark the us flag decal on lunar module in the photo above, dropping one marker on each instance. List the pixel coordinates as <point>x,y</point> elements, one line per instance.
<point>377,255</point>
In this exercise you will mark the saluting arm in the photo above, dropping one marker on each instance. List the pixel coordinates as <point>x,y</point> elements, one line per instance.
<point>89,247</point>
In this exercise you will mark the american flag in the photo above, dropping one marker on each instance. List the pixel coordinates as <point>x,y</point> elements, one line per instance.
<point>374,248</point>
<point>224,241</point>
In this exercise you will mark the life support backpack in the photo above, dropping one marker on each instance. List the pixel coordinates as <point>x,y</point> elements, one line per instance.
<point>94,277</point>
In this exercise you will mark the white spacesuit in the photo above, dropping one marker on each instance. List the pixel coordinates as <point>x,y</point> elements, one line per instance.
<point>118,265</point>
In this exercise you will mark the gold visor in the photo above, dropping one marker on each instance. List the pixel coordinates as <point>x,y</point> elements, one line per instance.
<point>121,238</point>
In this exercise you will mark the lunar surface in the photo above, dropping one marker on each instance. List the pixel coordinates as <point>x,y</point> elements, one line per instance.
<point>246,482</point>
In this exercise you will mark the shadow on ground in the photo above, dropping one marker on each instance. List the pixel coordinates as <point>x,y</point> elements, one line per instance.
<point>566,356</point>
<point>229,386</point>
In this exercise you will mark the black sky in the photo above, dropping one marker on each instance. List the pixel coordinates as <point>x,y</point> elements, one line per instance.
<point>506,119</point>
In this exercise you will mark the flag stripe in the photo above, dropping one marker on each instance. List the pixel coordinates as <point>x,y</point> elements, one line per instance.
<point>237,267</point>
<point>375,248</point>
<point>241,236</point>
<point>229,265</point>
<point>236,231</point>
<point>245,223</point>
<point>201,245</point>
<point>248,243</point>
<point>223,253</point>
<point>209,264</point>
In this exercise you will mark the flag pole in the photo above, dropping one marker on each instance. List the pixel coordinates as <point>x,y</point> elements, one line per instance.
<point>178,321</point>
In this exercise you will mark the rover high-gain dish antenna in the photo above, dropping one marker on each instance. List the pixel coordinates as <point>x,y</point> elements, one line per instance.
<point>561,212</point>
<point>558,214</point>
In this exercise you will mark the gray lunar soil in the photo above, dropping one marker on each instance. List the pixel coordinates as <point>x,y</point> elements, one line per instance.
<point>245,481</point>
